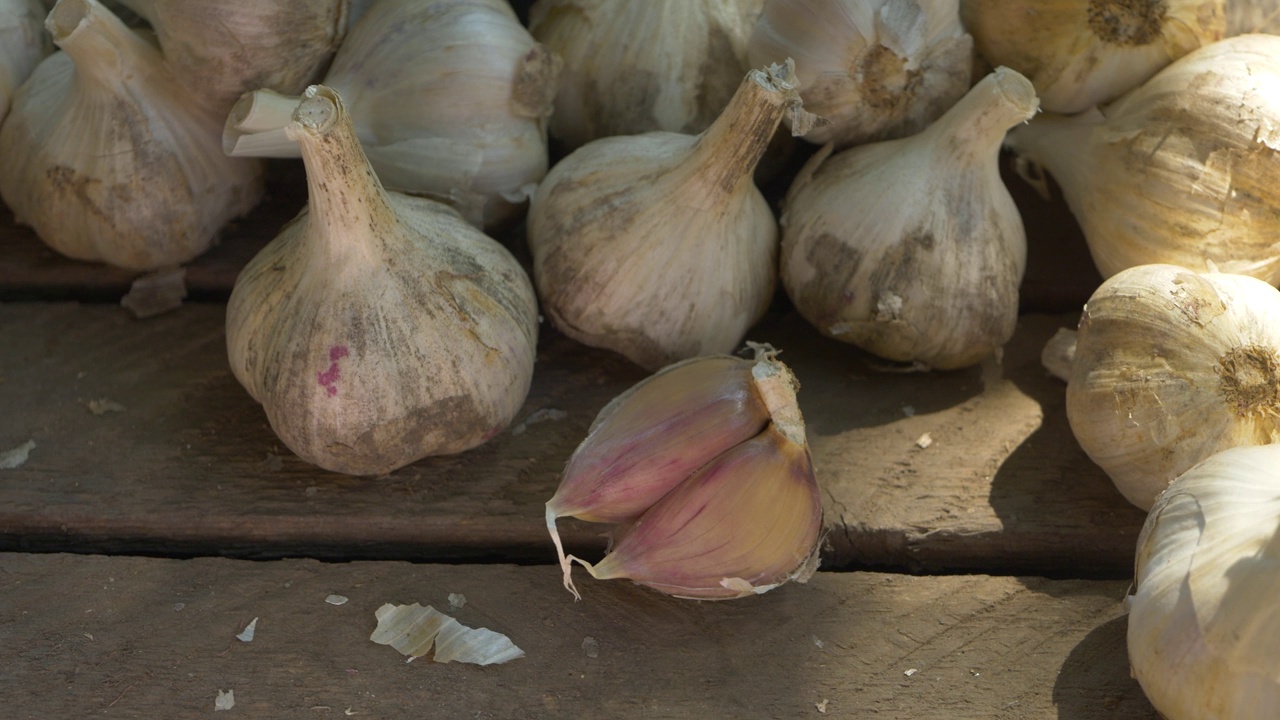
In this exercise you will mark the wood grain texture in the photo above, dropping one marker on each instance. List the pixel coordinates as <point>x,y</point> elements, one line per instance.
<point>190,466</point>
<point>144,638</point>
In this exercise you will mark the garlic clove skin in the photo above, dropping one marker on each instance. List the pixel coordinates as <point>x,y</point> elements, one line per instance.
<point>913,249</point>
<point>378,328</point>
<point>22,45</point>
<point>1252,16</point>
<point>875,70</point>
<point>746,522</point>
<point>1203,621</point>
<point>677,79</point>
<point>1170,368</point>
<point>109,158</point>
<point>1183,170</point>
<point>659,246</point>
<point>1081,53</point>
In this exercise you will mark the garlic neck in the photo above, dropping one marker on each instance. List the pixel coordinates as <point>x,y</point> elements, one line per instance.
<point>345,199</point>
<point>105,51</point>
<point>1061,144</point>
<point>725,155</point>
<point>976,125</point>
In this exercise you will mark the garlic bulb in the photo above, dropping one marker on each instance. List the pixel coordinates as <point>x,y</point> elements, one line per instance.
<point>912,248</point>
<point>1080,53</point>
<point>707,466</point>
<point>107,155</point>
<point>378,328</point>
<point>1252,16</point>
<point>875,69</point>
<point>659,246</point>
<point>22,45</point>
<point>449,98</point>
<point>632,66</point>
<point>1184,170</point>
<point>1171,367</point>
<point>229,47</point>
<point>1204,624</point>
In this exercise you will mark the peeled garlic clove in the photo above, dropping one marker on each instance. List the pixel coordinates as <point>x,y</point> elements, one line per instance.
<point>230,47</point>
<point>1171,367</point>
<point>1203,619</point>
<point>378,328</point>
<point>744,523</point>
<point>634,67</point>
<point>22,45</point>
<point>659,246</point>
<point>1080,53</point>
<point>875,70</point>
<point>913,249</point>
<point>109,157</point>
<point>1184,170</point>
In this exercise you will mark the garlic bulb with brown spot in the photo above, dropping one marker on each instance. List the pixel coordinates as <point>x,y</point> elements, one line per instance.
<point>1183,170</point>
<point>659,246</point>
<point>876,70</point>
<point>1080,53</point>
<point>1171,367</point>
<point>913,249</point>
<point>632,66</point>
<point>22,45</point>
<point>378,328</point>
<point>109,157</point>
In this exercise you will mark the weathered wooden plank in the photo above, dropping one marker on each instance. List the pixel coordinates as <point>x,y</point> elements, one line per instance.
<point>124,637</point>
<point>190,465</point>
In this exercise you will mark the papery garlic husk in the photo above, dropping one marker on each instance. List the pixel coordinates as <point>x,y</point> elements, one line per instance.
<point>1080,53</point>
<point>108,157</point>
<point>659,246</point>
<point>1252,16</point>
<point>229,47</point>
<point>22,45</point>
<point>378,328</point>
<point>449,98</point>
<point>634,67</point>
<point>1204,623</point>
<point>1184,170</point>
<point>875,69</point>
<point>1170,367</point>
<point>913,249</point>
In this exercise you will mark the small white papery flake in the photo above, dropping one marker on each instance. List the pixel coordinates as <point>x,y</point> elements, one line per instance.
<point>225,701</point>
<point>924,441</point>
<point>412,630</point>
<point>336,600</point>
<point>17,457</point>
<point>246,635</point>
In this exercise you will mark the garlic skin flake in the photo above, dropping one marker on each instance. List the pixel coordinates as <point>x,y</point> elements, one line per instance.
<point>378,328</point>
<point>913,249</point>
<point>22,45</point>
<point>1080,53</point>
<point>1171,367</point>
<point>109,158</point>
<point>1204,624</point>
<point>1252,16</point>
<point>633,67</point>
<point>659,246</point>
<point>876,70</point>
<point>1184,170</point>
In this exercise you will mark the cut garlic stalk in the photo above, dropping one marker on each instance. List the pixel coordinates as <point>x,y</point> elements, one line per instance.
<point>110,158</point>
<point>875,69</point>
<point>1184,170</point>
<point>632,67</point>
<point>378,328</point>
<point>659,246</point>
<point>1171,367</point>
<point>1080,53</point>
<point>913,249</point>
<point>22,45</point>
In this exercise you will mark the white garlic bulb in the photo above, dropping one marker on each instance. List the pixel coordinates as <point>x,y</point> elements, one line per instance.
<point>632,66</point>
<point>1204,623</point>
<point>875,69</point>
<point>659,246</point>
<point>449,98</point>
<point>1184,170</point>
<point>1170,367</point>
<point>229,47</point>
<point>912,248</point>
<point>1252,16</point>
<point>378,328</point>
<point>22,45</point>
<point>1080,53</point>
<point>109,157</point>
